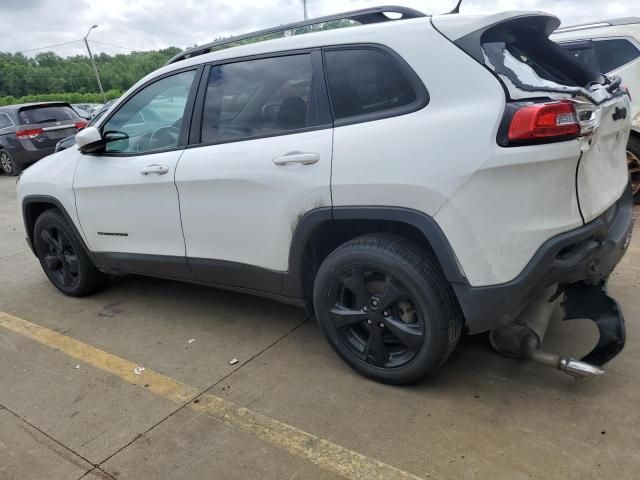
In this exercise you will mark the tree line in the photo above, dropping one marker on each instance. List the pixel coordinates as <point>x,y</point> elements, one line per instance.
<point>47,76</point>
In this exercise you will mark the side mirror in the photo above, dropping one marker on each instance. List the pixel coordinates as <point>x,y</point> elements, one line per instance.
<point>89,140</point>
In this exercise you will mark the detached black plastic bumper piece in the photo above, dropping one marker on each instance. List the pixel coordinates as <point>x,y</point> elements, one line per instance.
<point>592,302</point>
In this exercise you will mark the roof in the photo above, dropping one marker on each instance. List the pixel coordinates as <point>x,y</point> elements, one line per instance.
<point>364,16</point>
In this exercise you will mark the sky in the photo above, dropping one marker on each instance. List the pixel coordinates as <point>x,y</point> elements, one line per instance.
<point>126,25</point>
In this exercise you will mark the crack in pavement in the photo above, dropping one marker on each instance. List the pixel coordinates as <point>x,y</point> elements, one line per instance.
<point>203,392</point>
<point>55,440</point>
<point>14,254</point>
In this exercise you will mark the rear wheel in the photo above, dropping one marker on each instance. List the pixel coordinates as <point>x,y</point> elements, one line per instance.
<point>8,165</point>
<point>633,159</point>
<point>63,258</point>
<point>386,309</point>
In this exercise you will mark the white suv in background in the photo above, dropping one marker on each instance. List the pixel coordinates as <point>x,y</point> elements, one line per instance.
<point>613,47</point>
<point>404,179</point>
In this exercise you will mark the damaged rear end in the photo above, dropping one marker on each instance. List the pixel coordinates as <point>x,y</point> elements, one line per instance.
<point>550,99</point>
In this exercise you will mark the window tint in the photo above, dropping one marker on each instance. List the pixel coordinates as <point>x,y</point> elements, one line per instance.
<point>257,97</point>
<point>365,81</point>
<point>5,121</point>
<point>44,114</point>
<point>584,53</point>
<point>615,53</point>
<point>152,118</point>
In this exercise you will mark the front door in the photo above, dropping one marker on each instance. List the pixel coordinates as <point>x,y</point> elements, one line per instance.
<point>126,197</point>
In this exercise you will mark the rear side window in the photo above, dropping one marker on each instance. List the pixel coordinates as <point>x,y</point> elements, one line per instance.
<point>615,53</point>
<point>260,97</point>
<point>45,114</point>
<point>365,81</point>
<point>584,53</point>
<point>5,121</point>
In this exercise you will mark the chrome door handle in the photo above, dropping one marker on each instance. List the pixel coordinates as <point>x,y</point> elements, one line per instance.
<point>159,169</point>
<point>297,157</point>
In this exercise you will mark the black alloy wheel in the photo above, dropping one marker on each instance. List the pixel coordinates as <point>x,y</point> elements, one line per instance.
<point>375,317</point>
<point>386,308</point>
<point>60,258</point>
<point>63,257</point>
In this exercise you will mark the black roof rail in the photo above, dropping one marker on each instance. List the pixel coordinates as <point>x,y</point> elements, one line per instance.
<point>364,16</point>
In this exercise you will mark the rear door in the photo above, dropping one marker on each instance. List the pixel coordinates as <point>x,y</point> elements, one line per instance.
<point>260,159</point>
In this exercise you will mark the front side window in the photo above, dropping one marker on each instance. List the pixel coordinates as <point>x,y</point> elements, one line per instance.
<point>364,81</point>
<point>151,120</point>
<point>615,53</point>
<point>256,98</point>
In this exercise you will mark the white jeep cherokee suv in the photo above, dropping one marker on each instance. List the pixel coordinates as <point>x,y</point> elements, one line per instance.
<point>405,179</point>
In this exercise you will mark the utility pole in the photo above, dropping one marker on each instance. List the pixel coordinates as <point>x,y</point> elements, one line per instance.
<point>304,7</point>
<point>95,69</point>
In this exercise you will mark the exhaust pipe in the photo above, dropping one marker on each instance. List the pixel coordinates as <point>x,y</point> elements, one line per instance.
<point>568,365</point>
<point>522,338</point>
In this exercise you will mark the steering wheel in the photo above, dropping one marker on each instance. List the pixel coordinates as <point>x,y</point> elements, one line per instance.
<point>164,137</point>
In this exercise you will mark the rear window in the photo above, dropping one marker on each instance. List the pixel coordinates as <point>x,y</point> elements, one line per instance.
<point>615,53</point>
<point>364,81</point>
<point>45,114</point>
<point>525,56</point>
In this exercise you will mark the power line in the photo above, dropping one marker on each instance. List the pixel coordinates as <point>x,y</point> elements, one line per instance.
<point>112,45</point>
<point>49,46</point>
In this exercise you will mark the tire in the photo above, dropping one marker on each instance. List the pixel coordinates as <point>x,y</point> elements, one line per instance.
<point>8,165</point>
<point>633,159</point>
<point>63,257</point>
<point>386,308</point>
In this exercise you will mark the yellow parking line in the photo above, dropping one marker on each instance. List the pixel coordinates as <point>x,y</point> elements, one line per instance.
<point>323,453</point>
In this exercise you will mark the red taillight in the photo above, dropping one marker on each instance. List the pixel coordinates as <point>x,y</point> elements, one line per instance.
<point>544,121</point>
<point>32,133</point>
<point>81,124</point>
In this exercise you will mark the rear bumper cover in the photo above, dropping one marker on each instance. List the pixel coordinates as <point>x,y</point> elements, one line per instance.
<point>586,255</point>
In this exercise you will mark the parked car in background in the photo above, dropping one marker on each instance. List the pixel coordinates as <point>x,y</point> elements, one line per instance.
<point>82,112</point>
<point>30,131</point>
<point>70,141</point>
<point>612,47</point>
<point>327,170</point>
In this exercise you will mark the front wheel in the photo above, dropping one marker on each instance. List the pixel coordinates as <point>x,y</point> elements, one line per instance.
<point>386,309</point>
<point>63,258</point>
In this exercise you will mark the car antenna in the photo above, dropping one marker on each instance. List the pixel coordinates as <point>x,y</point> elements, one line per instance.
<point>456,9</point>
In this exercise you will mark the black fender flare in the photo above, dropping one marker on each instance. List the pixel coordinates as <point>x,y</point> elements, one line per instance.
<point>29,222</point>
<point>425,224</point>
